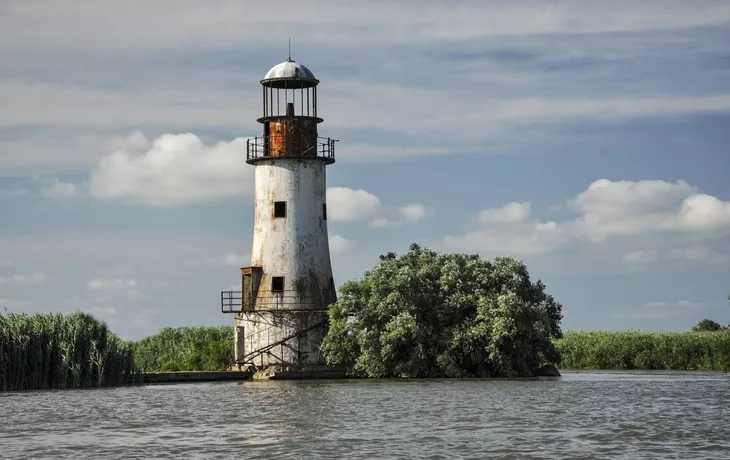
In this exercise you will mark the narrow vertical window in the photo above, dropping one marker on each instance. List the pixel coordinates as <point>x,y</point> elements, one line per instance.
<point>277,284</point>
<point>324,211</point>
<point>279,208</point>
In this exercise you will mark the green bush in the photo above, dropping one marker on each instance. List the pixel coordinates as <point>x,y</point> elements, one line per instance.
<point>646,350</point>
<point>424,314</point>
<point>45,351</point>
<point>202,348</point>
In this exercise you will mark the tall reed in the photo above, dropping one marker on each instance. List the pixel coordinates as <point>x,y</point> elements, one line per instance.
<point>201,348</point>
<point>646,350</point>
<point>44,351</point>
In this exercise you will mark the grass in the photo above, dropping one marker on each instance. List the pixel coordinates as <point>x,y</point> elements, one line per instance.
<point>646,350</point>
<point>202,348</point>
<point>44,351</point>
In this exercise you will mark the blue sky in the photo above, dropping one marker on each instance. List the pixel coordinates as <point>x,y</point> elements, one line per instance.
<point>589,139</point>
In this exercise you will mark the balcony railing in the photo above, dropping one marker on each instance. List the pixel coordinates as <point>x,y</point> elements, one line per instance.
<point>289,300</point>
<point>268,147</point>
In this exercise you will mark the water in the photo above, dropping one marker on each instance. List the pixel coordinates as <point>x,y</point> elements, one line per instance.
<point>581,415</point>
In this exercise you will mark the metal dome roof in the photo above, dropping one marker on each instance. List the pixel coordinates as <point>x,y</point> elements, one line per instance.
<point>289,70</point>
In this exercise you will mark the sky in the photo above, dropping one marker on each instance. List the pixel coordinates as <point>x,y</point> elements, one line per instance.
<point>589,139</point>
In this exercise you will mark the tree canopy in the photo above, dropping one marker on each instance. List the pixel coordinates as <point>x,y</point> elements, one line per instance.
<point>707,325</point>
<point>425,314</point>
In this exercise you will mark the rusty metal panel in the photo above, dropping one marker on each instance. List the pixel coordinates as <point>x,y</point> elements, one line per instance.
<point>293,137</point>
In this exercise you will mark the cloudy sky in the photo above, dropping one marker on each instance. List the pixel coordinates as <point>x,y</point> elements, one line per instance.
<point>589,139</point>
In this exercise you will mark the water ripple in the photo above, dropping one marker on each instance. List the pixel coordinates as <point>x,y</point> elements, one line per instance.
<point>581,415</point>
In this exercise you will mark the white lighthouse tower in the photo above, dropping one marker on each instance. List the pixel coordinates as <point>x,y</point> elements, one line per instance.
<point>281,312</point>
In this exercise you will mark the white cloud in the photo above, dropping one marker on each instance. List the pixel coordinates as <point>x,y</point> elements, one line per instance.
<point>99,284</point>
<point>54,188</point>
<point>101,312</point>
<point>704,212</point>
<point>413,212</point>
<point>640,257</point>
<point>346,204</point>
<point>65,105</point>
<point>382,222</point>
<point>177,169</point>
<point>408,214</point>
<point>231,259</point>
<point>339,244</point>
<point>524,110</point>
<point>438,35</point>
<point>606,209</point>
<point>507,214</point>
<point>134,141</point>
<point>33,278</point>
<point>168,24</point>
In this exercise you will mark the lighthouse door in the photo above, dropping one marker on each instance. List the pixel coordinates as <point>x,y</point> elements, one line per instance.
<point>247,294</point>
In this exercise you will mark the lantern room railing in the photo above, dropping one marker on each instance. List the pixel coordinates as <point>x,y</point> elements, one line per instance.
<point>278,146</point>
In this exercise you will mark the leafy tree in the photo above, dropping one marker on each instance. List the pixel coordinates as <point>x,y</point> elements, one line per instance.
<point>707,325</point>
<point>425,314</point>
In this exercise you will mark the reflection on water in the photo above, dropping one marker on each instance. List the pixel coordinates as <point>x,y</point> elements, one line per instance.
<point>581,415</point>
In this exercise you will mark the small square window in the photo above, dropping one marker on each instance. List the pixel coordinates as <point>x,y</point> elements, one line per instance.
<point>324,211</point>
<point>279,208</point>
<point>277,284</point>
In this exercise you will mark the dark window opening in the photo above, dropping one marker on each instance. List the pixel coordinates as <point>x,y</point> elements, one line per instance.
<point>324,211</point>
<point>279,208</point>
<point>277,284</point>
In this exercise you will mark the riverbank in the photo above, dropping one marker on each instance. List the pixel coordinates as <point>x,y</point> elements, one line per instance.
<point>49,351</point>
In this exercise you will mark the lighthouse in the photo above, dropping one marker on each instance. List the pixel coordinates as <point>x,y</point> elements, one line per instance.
<point>281,310</point>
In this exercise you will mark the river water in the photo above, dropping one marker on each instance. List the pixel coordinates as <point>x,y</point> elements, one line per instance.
<point>580,415</point>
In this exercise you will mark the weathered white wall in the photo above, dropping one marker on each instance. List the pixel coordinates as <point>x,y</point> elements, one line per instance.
<point>297,248</point>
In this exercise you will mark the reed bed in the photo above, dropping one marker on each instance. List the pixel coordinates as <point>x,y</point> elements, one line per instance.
<point>202,348</point>
<point>708,351</point>
<point>48,351</point>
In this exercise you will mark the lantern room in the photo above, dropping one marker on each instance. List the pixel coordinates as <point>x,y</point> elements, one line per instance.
<point>290,117</point>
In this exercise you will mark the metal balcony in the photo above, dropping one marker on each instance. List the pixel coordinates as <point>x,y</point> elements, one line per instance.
<point>289,300</point>
<point>282,147</point>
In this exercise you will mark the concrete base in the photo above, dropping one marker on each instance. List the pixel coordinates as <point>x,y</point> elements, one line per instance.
<point>290,338</point>
<point>303,372</point>
<point>195,376</point>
